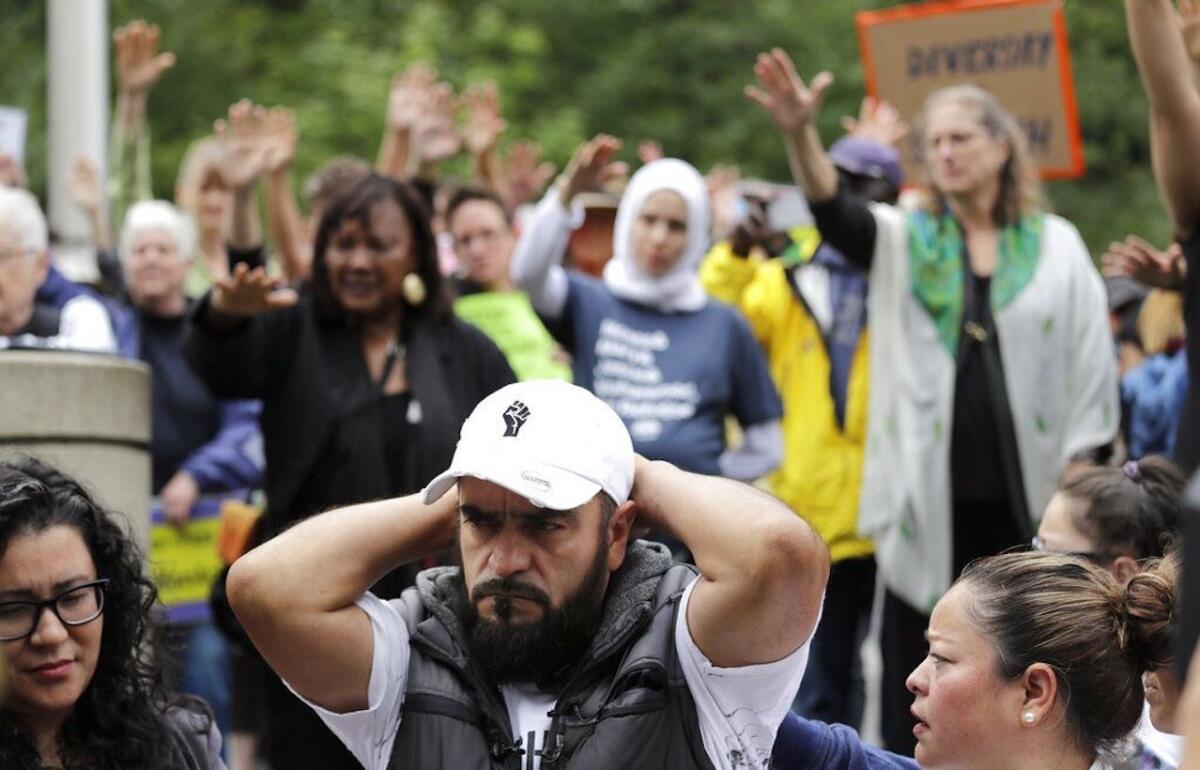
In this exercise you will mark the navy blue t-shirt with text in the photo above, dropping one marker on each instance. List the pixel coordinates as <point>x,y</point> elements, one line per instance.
<point>672,377</point>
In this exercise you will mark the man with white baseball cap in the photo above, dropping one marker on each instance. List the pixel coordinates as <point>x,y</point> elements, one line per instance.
<point>560,640</point>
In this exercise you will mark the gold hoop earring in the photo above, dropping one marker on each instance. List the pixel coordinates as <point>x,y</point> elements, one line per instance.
<point>413,289</point>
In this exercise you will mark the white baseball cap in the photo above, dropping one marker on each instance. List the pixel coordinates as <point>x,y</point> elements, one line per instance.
<point>553,443</point>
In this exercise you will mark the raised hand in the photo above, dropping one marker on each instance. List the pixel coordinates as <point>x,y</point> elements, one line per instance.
<point>526,173</point>
<point>649,150</point>
<point>139,65</point>
<point>278,137</point>
<point>246,293</point>
<point>433,134</point>
<point>242,136</point>
<point>484,125</point>
<point>83,186</point>
<point>1137,259</point>
<point>784,96</point>
<point>722,182</point>
<point>591,167</point>
<point>878,121</point>
<point>409,95</point>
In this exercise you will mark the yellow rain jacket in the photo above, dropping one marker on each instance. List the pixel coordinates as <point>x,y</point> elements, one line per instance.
<point>822,462</point>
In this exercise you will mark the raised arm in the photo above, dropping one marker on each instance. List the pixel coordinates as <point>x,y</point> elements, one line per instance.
<point>296,594</point>
<point>406,101</point>
<point>843,220</point>
<point>763,569</point>
<point>434,138</point>
<point>794,106</point>
<point>1167,76</point>
<point>139,66</point>
<point>536,267</point>
<point>242,134</point>
<point>227,344</point>
<point>481,132</point>
<point>84,190</point>
<point>284,222</point>
<point>525,173</point>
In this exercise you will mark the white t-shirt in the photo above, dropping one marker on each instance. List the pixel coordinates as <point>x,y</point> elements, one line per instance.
<point>739,709</point>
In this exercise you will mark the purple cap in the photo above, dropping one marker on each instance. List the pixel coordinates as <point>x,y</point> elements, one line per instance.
<point>867,157</point>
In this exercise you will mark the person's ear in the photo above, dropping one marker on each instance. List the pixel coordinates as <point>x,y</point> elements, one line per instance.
<point>620,532</point>
<point>1040,685</point>
<point>1123,568</point>
<point>1005,149</point>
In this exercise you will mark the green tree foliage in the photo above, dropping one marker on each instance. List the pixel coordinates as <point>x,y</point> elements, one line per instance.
<point>672,70</point>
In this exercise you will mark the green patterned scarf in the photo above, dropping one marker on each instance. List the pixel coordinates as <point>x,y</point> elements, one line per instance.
<point>935,246</point>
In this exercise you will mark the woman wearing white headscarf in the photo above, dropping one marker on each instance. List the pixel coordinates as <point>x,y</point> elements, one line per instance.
<point>646,338</point>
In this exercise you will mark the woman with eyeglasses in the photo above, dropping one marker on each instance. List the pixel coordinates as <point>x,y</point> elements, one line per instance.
<point>1125,521</point>
<point>76,628</point>
<point>1115,517</point>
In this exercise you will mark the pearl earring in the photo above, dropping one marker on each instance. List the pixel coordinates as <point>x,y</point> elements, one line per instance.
<point>413,289</point>
<point>1029,717</point>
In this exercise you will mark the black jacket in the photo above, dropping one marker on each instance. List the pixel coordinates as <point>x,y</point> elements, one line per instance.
<point>322,419</point>
<point>624,705</point>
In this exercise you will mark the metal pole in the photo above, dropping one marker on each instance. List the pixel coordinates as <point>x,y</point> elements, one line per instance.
<point>77,120</point>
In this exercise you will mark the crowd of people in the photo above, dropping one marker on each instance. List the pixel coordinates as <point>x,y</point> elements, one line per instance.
<point>617,469</point>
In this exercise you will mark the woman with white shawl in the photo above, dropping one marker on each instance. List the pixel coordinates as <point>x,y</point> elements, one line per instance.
<point>646,338</point>
<point>992,366</point>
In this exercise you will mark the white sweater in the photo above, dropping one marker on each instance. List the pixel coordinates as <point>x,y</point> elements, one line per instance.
<point>1059,370</point>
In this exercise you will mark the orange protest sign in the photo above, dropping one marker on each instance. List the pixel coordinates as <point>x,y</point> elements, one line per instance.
<point>1017,49</point>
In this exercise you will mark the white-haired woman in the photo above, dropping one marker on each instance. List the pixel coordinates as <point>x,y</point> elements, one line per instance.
<point>646,338</point>
<point>72,319</point>
<point>198,444</point>
<point>991,361</point>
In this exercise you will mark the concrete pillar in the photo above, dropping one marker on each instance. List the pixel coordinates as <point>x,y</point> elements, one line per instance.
<point>77,119</point>
<point>89,416</point>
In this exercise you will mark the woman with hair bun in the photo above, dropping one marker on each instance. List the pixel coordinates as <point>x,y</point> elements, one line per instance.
<point>85,687</point>
<point>1123,520</point>
<point>1115,517</point>
<point>1150,600</point>
<point>1035,662</point>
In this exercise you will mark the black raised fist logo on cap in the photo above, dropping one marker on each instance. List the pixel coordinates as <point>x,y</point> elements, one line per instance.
<point>514,417</point>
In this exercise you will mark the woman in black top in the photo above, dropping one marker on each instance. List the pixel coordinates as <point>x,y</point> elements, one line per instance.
<point>991,360</point>
<point>365,375</point>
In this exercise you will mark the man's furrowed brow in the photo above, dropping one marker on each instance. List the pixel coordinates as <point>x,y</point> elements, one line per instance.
<point>475,512</point>
<point>550,513</point>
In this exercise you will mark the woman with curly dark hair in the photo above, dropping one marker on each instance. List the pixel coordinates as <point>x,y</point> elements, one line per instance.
<point>77,630</point>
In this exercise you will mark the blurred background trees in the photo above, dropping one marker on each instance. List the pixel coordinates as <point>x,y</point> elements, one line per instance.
<point>670,70</point>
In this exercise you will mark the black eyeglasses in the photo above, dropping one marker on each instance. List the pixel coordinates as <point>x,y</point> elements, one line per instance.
<point>1095,557</point>
<point>75,606</point>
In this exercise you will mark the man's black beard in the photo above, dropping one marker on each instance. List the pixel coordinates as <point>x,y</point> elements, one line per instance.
<point>541,651</point>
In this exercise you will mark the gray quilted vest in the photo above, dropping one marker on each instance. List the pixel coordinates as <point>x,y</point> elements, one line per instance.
<point>624,705</point>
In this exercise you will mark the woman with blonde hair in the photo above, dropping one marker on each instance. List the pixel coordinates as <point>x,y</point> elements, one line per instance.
<point>1153,392</point>
<point>991,359</point>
